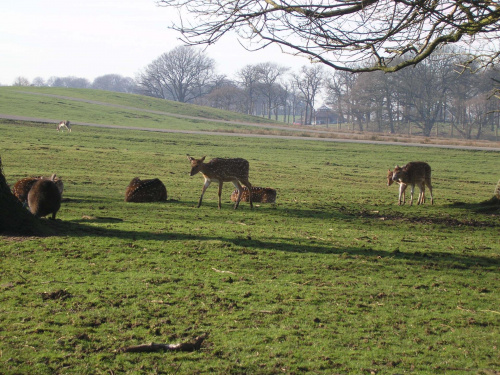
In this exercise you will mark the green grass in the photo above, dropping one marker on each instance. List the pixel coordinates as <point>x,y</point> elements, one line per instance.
<point>333,278</point>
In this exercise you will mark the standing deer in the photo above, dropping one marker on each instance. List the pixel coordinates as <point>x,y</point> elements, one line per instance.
<point>222,170</point>
<point>64,124</point>
<point>402,186</point>
<point>414,173</point>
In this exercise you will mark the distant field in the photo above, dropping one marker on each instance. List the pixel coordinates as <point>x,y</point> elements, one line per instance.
<point>333,278</point>
<point>84,106</point>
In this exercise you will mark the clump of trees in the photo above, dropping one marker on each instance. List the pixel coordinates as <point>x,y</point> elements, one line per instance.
<point>420,99</point>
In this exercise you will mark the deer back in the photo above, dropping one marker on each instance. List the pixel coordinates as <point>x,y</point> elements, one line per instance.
<point>226,169</point>
<point>44,198</point>
<point>413,172</point>
<point>152,190</point>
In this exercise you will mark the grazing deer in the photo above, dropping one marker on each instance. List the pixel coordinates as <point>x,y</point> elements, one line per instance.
<point>23,186</point>
<point>259,194</point>
<point>140,191</point>
<point>414,173</point>
<point>222,170</point>
<point>64,124</point>
<point>402,186</point>
<point>44,198</point>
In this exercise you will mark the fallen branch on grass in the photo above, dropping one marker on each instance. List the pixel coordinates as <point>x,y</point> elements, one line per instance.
<point>182,347</point>
<point>216,270</point>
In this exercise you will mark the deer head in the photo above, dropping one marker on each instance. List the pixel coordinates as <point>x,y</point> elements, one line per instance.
<point>389,177</point>
<point>195,164</point>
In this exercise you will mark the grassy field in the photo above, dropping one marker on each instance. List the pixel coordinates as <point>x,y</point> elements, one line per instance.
<point>333,278</point>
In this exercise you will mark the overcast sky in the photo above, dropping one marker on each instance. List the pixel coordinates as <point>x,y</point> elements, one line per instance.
<point>91,38</point>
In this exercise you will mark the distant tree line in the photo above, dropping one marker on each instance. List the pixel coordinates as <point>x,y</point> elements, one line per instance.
<point>108,82</point>
<point>437,97</point>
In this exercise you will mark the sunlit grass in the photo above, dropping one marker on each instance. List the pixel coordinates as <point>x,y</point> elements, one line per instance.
<point>333,278</point>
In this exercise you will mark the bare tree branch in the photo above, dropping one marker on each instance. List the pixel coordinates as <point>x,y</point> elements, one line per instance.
<point>354,36</point>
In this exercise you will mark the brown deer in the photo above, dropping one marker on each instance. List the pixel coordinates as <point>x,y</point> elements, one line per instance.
<point>145,191</point>
<point>414,173</point>
<point>44,198</point>
<point>23,186</point>
<point>402,186</point>
<point>64,124</point>
<point>222,170</point>
<point>259,194</point>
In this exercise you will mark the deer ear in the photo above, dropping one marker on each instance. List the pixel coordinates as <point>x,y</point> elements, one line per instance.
<point>189,158</point>
<point>203,158</point>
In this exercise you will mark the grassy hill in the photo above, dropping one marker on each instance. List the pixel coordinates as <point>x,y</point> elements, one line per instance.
<point>104,107</point>
<point>333,278</point>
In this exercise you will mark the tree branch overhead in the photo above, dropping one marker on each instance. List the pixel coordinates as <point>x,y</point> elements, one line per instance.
<point>355,36</point>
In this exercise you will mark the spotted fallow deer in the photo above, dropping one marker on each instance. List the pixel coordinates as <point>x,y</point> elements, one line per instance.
<point>222,170</point>
<point>414,173</point>
<point>64,124</point>
<point>402,186</point>
<point>259,194</point>
<point>140,191</point>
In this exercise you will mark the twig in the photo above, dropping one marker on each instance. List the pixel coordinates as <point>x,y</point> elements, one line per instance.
<point>216,270</point>
<point>491,311</point>
<point>182,347</point>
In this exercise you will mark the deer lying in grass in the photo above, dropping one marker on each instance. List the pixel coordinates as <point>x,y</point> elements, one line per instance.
<point>23,186</point>
<point>414,173</point>
<point>259,194</point>
<point>145,191</point>
<point>64,124</point>
<point>222,170</point>
<point>44,198</point>
<point>402,186</point>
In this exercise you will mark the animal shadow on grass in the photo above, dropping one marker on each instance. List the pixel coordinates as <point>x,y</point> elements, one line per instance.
<point>490,206</point>
<point>436,260</point>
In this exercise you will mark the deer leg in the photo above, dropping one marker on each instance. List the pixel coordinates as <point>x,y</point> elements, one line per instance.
<point>402,188</point>
<point>411,196</point>
<point>421,196</point>
<point>238,186</point>
<point>249,186</point>
<point>205,187</point>
<point>220,193</point>
<point>429,185</point>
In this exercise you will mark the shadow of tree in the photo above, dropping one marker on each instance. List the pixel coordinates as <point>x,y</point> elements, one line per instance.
<point>436,260</point>
<point>491,206</point>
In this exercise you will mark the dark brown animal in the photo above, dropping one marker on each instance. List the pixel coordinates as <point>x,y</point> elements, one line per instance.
<point>402,186</point>
<point>140,191</point>
<point>259,194</point>
<point>414,173</point>
<point>222,170</point>
<point>23,186</point>
<point>44,198</point>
